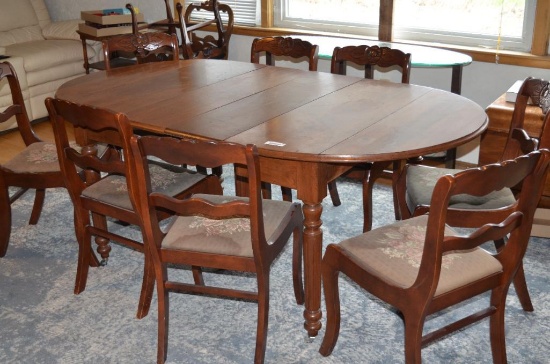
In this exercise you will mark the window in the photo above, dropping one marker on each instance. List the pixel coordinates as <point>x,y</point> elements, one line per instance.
<point>245,12</point>
<point>504,24</point>
<point>338,16</point>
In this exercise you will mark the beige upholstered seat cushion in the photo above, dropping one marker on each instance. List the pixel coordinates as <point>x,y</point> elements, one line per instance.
<point>227,236</point>
<point>421,181</point>
<point>36,158</point>
<point>167,179</point>
<point>394,252</point>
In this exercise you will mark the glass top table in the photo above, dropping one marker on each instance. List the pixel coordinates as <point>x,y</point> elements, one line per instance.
<point>421,56</point>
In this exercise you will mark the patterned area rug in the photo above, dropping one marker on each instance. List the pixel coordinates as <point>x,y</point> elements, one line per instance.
<point>42,321</point>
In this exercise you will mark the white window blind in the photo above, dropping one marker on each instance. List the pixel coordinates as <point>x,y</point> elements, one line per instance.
<point>245,12</point>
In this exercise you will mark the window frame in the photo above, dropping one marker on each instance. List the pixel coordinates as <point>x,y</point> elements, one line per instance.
<point>538,57</point>
<point>403,34</point>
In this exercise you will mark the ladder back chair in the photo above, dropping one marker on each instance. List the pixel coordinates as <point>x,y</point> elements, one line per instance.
<point>423,265</point>
<point>98,186</point>
<point>415,183</point>
<point>219,232</point>
<point>369,58</point>
<point>35,167</point>
<point>298,50</point>
<point>203,16</point>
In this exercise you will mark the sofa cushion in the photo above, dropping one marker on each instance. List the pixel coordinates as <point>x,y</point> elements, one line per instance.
<point>16,14</point>
<point>41,11</point>
<point>18,22</point>
<point>21,35</point>
<point>39,55</point>
<point>62,30</point>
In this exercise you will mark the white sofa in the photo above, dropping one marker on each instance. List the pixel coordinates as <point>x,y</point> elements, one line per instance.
<point>45,54</point>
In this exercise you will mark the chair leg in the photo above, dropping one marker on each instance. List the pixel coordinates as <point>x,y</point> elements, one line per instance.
<point>217,171</point>
<point>103,247</point>
<point>84,239</point>
<point>371,175</point>
<point>263,317</point>
<point>497,328</point>
<point>397,166</point>
<point>266,190</point>
<point>39,197</point>
<point>334,195</point>
<point>297,257</point>
<point>520,283</point>
<point>413,338</point>
<point>332,301</point>
<point>163,317</point>
<point>197,275</point>
<point>368,184</point>
<point>287,194</point>
<point>5,221</point>
<point>147,288</point>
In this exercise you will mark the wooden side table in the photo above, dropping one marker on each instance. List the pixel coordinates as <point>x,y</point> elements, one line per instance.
<point>492,145</point>
<point>119,62</point>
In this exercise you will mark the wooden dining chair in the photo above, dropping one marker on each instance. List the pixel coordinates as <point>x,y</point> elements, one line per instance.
<point>294,48</point>
<point>35,167</point>
<point>97,185</point>
<point>203,16</point>
<point>416,182</point>
<point>167,25</point>
<point>219,232</point>
<point>371,57</point>
<point>298,50</point>
<point>128,49</point>
<point>423,265</point>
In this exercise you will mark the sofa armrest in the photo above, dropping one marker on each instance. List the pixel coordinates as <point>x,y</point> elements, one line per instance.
<point>65,29</point>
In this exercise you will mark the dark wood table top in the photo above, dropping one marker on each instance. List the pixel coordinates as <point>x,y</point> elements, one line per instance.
<point>301,115</point>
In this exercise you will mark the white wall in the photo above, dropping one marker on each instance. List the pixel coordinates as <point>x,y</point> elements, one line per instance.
<point>481,82</point>
<point>70,9</point>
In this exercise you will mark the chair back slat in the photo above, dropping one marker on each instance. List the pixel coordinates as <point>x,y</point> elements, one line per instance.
<point>493,224</point>
<point>207,154</point>
<point>369,56</point>
<point>284,47</point>
<point>17,109</point>
<point>144,47</point>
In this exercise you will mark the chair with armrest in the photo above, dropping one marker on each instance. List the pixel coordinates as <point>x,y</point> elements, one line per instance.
<point>370,58</point>
<point>201,16</point>
<point>35,167</point>
<point>167,25</point>
<point>97,185</point>
<point>423,265</point>
<point>298,50</point>
<point>416,182</point>
<point>219,232</point>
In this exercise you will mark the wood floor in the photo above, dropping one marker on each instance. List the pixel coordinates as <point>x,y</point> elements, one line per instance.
<point>11,142</point>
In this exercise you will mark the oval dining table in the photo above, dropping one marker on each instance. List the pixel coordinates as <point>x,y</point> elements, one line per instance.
<point>309,127</point>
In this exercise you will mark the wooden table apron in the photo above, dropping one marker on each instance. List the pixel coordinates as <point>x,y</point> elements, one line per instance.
<point>317,125</point>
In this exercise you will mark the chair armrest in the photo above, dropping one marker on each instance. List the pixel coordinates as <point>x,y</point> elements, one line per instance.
<point>65,29</point>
